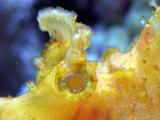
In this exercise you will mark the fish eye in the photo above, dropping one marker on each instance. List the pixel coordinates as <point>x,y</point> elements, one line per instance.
<point>74,84</point>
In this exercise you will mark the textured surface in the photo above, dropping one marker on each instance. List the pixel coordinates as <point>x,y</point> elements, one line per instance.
<point>68,87</point>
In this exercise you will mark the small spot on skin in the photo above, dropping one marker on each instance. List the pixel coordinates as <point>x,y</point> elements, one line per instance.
<point>144,79</point>
<point>148,48</point>
<point>156,67</point>
<point>144,61</point>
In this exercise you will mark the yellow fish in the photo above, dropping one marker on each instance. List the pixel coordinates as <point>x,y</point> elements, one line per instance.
<point>69,87</point>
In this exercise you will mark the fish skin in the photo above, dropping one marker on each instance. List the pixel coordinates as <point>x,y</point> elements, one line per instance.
<point>119,87</point>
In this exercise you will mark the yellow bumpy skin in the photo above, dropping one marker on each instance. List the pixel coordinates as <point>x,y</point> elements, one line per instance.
<point>69,87</point>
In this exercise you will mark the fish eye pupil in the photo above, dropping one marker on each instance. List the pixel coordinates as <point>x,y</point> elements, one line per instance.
<point>75,83</point>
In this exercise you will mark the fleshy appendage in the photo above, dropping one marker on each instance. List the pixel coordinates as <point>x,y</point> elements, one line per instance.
<point>69,87</point>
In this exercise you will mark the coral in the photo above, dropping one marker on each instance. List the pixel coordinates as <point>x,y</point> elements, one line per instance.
<point>69,87</point>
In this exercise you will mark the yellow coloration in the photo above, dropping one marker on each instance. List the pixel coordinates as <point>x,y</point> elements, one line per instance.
<point>69,87</point>
<point>75,83</point>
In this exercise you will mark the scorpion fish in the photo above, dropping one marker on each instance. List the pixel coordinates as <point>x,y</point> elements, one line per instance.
<point>121,86</point>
